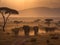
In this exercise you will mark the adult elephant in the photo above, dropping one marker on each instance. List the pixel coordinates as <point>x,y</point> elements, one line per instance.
<point>36,28</point>
<point>26,29</point>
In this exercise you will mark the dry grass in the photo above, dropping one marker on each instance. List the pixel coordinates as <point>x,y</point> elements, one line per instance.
<point>47,39</point>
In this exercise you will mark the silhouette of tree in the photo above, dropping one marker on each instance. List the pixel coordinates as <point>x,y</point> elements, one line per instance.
<point>48,21</point>
<point>17,22</point>
<point>26,29</point>
<point>4,11</point>
<point>36,28</point>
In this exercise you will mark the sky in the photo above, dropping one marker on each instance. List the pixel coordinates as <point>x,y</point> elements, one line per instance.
<point>25,4</point>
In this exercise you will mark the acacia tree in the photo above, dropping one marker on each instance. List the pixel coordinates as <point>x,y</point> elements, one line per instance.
<point>17,22</point>
<point>48,28</point>
<point>4,11</point>
<point>48,21</point>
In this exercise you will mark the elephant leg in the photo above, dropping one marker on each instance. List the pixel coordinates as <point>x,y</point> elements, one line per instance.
<point>36,33</point>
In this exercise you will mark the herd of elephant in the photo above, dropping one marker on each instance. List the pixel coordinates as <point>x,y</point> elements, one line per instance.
<point>26,29</point>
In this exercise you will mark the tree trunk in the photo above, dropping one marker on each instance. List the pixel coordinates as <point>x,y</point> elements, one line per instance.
<point>4,27</point>
<point>5,21</point>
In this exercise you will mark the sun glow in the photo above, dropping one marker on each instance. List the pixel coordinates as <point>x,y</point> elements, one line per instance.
<point>18,4</point>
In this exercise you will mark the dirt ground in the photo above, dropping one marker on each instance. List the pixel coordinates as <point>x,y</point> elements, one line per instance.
<point>44,39</point>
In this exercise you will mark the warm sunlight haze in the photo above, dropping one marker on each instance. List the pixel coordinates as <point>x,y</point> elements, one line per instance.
<point>29,22</point>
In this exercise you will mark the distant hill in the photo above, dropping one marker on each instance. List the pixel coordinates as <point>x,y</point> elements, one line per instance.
<point>32,14</point>
<point>41,12</point>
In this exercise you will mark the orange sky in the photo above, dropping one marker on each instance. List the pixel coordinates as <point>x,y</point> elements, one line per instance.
<point>24,4</point>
